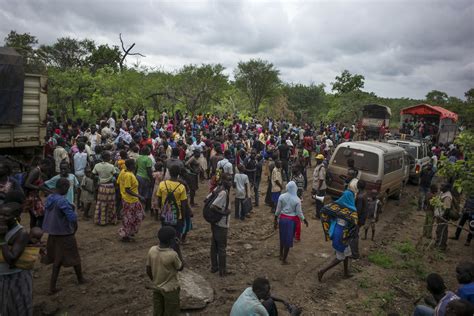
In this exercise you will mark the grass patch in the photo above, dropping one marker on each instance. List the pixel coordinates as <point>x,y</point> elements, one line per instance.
<point>438,255</point>
<point>381,259</point>
<point>364,283</point>
<point>368,303</point>
<point>386,298</point>
<point>377,302</point>
<point>415,265</point>
<point>405,247</point>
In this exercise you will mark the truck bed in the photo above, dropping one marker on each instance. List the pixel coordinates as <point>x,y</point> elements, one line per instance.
<point>32,130</point>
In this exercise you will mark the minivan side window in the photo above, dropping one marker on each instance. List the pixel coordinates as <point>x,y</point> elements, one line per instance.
<point>392,164</point>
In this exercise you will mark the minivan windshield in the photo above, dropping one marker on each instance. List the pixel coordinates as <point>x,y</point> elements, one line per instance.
<point>412,150</point>
<point>363,160</point>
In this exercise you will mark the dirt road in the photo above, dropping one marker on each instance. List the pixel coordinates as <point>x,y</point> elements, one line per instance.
<point>389,277</point>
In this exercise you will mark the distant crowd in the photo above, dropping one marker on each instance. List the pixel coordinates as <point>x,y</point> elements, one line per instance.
<point>118,169</point>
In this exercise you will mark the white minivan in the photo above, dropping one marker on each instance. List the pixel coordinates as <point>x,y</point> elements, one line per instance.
<point>419,156</point>
<point>384,167</point>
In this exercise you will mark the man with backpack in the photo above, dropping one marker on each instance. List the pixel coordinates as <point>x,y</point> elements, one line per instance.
<point>319,182</point>
<point>173,201</point>
<point>217,204</point>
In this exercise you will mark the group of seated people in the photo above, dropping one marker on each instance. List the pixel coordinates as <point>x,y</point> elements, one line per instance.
<point>444,302</point>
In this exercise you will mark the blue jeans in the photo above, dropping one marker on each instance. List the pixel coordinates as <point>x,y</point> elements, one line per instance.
<point>422,310</point>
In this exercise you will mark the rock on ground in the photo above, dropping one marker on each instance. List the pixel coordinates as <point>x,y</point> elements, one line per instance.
<point>196,292</point>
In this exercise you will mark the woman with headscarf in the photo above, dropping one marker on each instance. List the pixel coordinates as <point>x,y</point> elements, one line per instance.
<point>339,221</point>
<point>288,212</point>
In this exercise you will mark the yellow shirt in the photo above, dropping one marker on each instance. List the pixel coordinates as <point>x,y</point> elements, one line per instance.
<point>164,264</point>
<point>127,179</point>
<point>170,186</point>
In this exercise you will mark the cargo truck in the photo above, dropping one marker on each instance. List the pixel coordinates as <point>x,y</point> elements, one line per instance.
<point>23,108</point>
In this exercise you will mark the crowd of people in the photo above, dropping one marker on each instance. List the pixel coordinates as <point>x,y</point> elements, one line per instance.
<point>116,170</point>
<point>419,127</point>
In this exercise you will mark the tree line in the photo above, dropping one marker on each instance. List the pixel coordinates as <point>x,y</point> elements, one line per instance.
<point>86,79</point>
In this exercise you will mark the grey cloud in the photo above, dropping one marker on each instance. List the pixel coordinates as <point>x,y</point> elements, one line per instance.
<point>403,48</point>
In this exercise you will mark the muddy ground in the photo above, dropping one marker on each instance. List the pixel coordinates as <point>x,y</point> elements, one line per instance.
<point>388,277</point>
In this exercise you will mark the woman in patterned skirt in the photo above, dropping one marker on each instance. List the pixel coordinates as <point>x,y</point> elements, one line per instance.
<point>133,213</point>
<point>105,212</point>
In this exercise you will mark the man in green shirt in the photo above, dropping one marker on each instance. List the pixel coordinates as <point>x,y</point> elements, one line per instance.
<point>144,176</point>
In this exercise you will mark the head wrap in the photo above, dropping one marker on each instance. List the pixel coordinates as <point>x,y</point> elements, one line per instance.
<point>347,200</point>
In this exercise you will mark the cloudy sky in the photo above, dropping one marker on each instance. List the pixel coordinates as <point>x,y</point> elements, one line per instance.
<point>403,48</point>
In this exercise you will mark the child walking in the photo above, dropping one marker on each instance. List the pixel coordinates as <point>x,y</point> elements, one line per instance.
<point>373,206</point>
<point>60,222</point>
<point>163,264</point>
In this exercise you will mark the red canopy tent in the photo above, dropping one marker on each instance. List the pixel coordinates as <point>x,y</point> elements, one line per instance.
<point>426,109</point>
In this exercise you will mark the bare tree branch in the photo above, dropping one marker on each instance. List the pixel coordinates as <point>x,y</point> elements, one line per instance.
<point>126,52</point>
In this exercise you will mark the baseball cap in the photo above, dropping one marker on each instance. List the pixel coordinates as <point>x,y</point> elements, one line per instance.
<point>319,157</point>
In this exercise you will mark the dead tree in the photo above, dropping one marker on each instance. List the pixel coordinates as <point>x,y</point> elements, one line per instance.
<point>126,52</point>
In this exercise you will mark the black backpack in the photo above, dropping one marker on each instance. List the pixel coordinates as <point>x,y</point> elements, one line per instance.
<point>209,214</point>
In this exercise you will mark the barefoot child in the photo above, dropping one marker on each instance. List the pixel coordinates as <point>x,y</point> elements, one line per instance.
<point>373,205</point>
<point>60,222</point>
<point>163,264</point>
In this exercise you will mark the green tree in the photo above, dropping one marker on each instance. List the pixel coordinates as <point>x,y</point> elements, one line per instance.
<point>347,82</point>
<point>104,56</point>
<point>195,87</point>
<point>469,94</point>
<point>198,87</point>
<point>258,79</point>
<point>67,52</point>
<point>461,173</point>
<point>25,45</point>
<point>306,102</point>
<point>436,97</point>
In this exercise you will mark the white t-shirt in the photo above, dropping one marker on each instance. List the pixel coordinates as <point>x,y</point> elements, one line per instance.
<point>240,179</point>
